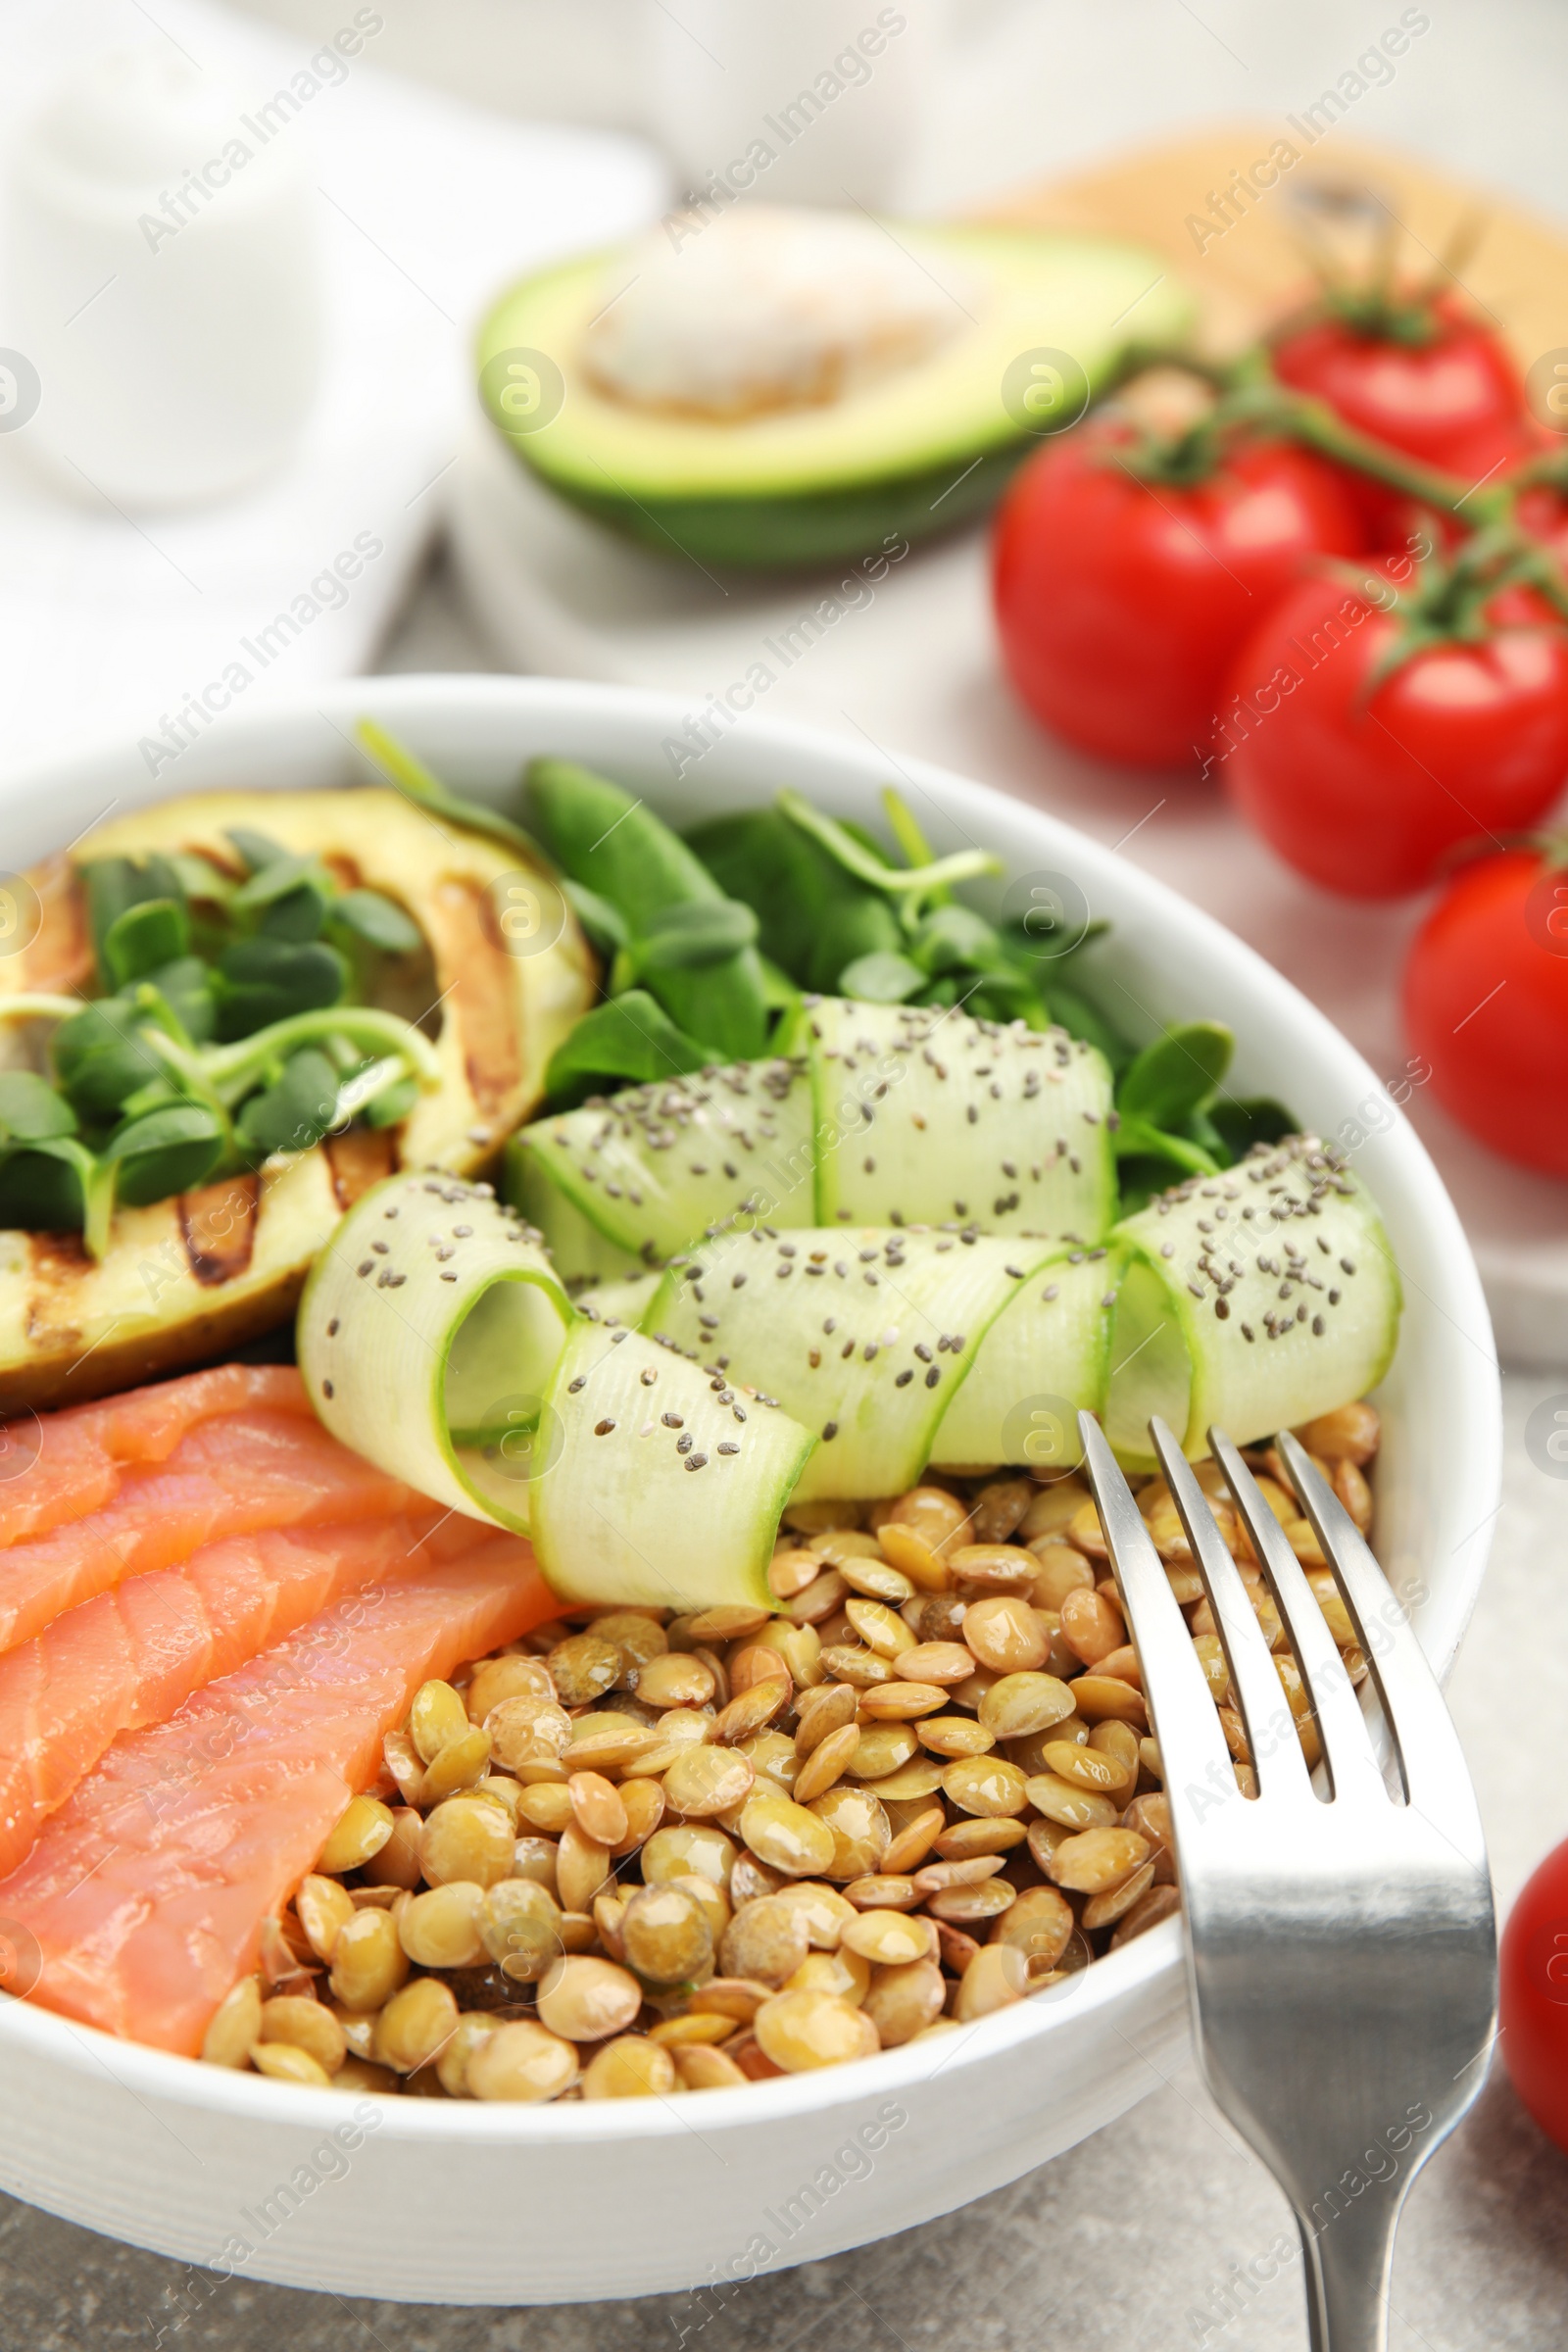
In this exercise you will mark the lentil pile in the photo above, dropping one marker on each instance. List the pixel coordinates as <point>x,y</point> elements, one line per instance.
<point>645,1853</point>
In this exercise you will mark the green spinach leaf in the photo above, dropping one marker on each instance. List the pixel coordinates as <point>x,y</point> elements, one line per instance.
<point>614,845</point>
<point>1177,1075</point>
<point>631,1039</point>
<point>693,936</point>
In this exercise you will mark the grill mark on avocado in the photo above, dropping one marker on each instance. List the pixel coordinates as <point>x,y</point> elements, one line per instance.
<point>60,958</point>
<point>58,1261</point>
<point>360,1158</point>
<point>218,1226</point>
<point>469,944</point>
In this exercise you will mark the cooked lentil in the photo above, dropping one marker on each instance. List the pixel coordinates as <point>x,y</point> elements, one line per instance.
<point>519,2060</point>
<point>437,1717</point>
<point>518,1923</point>
<point>888,1939</point>
<point>441,1929</point>
<point>963,1839</point>
<point>307,2024</point>
<point>903,1999</point>
<point>1007,1633</point>
<point>416,2026</point>
<point>584,1999</point>
<point>582,1867</point>
<point>462,1763</point>
<point>452,2065</point>
<point>666,1937</point>
<point>955,1735</point>
<point>701,2069</point>
<point>466,1839</point>
<point>996,1976</point>
<point>368,1962</point>
<point>827,1760</point>
<point>808,2029</point>
<point>796,1840</point>
<point>705,1782</point>
<point>362,1830</point>
<point>322,1905</point>
<point>632,2067</point>
<point>844,1974</point>
<point>236,2024</point>
<point>286,2064</point>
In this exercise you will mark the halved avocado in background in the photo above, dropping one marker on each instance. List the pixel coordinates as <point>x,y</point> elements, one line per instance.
<point>204,1271</point>
<point>908,453</point>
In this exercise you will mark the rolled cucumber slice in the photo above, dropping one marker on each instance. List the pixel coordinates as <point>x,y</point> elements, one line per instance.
<point>435,1338</point>
<point>866,1337</point>
<point>932,1117</point>
<point>1251,1300</point>
<point>432,1310</point>
<point>655,1167</point>
<point>662,1486</point>
<point>1045,1360</point>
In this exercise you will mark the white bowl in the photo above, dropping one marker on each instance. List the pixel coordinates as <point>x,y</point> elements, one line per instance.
<point>474,2204</point>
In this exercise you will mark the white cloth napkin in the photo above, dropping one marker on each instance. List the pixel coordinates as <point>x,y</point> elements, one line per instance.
<point>429,208</point>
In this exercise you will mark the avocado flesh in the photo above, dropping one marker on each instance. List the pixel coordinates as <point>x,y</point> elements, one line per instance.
<point>192,1276</point>
<point>903,456</point>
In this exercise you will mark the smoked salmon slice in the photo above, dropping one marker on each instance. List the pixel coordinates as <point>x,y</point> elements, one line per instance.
<point>147,1891</point>
<point>55,1467</point>
<point>131,1657</point>
<point>234,1474</point>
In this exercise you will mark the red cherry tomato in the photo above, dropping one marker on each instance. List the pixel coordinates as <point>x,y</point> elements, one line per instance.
<point>1532,2005</point>
<point>1486,1002</point>
<point>1364,789</point>
<point>1454,401</point>
<point>1121,601</point>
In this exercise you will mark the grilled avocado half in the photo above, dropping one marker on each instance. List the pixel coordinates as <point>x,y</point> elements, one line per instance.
<point>203,1272</point>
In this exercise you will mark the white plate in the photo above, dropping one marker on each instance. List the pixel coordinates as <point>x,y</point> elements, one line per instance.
<point>469,2204</point>
<point>911,659</point>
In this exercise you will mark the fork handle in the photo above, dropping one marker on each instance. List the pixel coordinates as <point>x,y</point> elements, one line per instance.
<point>1346,2260</point>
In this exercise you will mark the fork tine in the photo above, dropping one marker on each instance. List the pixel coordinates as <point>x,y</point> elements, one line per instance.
<point>1348,1750</point>
<point>1197,1768</point>
<point>1431,1759</point>
<point>1276,1752</point>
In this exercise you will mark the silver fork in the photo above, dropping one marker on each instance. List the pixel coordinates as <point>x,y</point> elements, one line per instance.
<point>1342,1952</point>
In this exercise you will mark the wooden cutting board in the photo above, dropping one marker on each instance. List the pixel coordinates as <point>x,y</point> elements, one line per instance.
<point>1245,268</point>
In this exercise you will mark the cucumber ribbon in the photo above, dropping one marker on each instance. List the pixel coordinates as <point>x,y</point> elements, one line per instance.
<point>1252,1299</point>
<point>900,1348</point>
<point>434,1338</point>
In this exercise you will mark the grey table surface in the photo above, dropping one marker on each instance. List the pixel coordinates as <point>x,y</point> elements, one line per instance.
<point>1128,2243</point>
